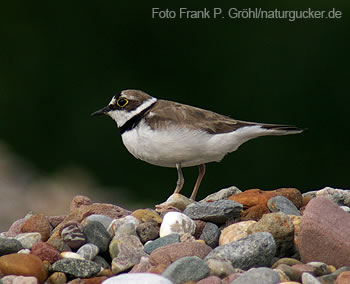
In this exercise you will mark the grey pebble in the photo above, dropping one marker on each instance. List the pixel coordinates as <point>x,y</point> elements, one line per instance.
<point>160,242</point>
<point>252,251</point>
<point>260,275</point>
<point>88,251</point>
<point>282,204</point>
<point>102,262</point>
<point>104,220</point>
<point>77,267</point>
<point>307,278</point>
<point>210,234</point>
<point>222,194</point>
<point>216,212</point>
<point>8,246</point>
<point>330,278</point>
<point>96,234</point>
<point>190,268</point>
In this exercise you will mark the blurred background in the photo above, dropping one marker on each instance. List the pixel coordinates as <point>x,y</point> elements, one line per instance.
<point>60,61</point>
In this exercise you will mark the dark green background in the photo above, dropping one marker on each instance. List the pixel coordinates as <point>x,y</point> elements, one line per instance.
<point>60,61</point>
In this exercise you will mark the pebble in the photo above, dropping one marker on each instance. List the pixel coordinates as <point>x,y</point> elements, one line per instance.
<point>260,275</point>
<point>8,246</point>
<point>117,223</point>
<point>96,234</point>
<point>28,239</point>
<point>281,228</point>
<point>282,204</point>
<point>137,278</point>
<point>254,213</point>
<point>57,278</point>
<point>191,268</point>
<point>255,250</point>
<point>104,220</point>
<point>343,278</point>
<point>147,215</point>
<point>307,278</point>
<point>37,223</point>
<point>216,212</point>
<point>147,231</point>
<point>175,222</point>
<point>222,194</point>
<point>142,266</point>
<point>13,279</point>
<point>15,228</point>
<point>69,254</point>
<point>338,196</point>
<point>175,200</point>
<point>324,233</point>
<point>101,261</point>
<point>210,280</point>
<point>220,268</point>
<point>72,235</point>
<point>45,251</point>
<point>286,260</point>
<point>235,232</point>
<point>345,208</point>
<point>23,264</point>
<point>210,234</point>
<point>170,253</point>
<point>321,268</point>
<point>126,229</point>
<point>76,267</point>
<point>330,278</point>
<point>125,253</point>
<point>160,242</point>
<point>55,220</point>
<point>88,251</point>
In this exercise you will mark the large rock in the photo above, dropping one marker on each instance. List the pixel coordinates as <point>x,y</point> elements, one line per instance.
<point>216,212</point>
<point>325,233</point>
<point>253,251</point>
<point>23,264</point>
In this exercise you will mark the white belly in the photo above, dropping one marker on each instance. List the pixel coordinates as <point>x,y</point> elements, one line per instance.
<point>168,147</point>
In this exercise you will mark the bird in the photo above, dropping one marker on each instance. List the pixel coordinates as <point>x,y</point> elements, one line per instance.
<point>175,135</point>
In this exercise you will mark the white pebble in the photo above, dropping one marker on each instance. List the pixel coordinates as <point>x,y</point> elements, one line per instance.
<point>69,254</point>
<point>175,222</point>
<point>137,278</point>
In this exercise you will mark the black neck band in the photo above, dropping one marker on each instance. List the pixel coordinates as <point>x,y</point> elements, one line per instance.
<point>134,121</point>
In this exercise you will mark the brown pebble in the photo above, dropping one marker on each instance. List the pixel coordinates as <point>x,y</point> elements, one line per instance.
<point>37,223</point>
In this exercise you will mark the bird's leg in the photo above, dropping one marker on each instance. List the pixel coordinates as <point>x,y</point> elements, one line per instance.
<point>198,182</point>
<point>180,179</point>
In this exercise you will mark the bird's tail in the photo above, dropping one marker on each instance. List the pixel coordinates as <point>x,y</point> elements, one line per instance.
<point>280,129</point>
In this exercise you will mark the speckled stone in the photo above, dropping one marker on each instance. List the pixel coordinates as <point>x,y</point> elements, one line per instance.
<point>117,223</point>
<point>126,229</point>
<point>175,222</point>
<point>255,250</point>
<point>339,196</point>
<point>147,215</point>
<point>217,212</point>
<point>76,267</point>
<point>8,246</point>
<point>160,242</point>
<point>190,268</point>
<point>96,234</point>
<point>220,268</point>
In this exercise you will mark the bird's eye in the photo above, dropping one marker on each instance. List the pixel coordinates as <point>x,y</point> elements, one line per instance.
<point>122,102</point>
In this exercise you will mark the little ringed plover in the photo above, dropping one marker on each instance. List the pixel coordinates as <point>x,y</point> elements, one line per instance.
<point>170,134</point>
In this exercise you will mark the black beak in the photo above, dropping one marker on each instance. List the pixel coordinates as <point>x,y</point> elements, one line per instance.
<point>101,111</point>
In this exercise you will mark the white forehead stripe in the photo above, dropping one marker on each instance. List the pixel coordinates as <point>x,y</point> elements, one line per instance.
<point>122,116</point>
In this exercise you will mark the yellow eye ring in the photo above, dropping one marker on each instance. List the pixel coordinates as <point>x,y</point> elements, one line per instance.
<point>122,102</point>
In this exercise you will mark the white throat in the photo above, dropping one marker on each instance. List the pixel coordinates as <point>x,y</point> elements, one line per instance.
<point>122,116</point>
